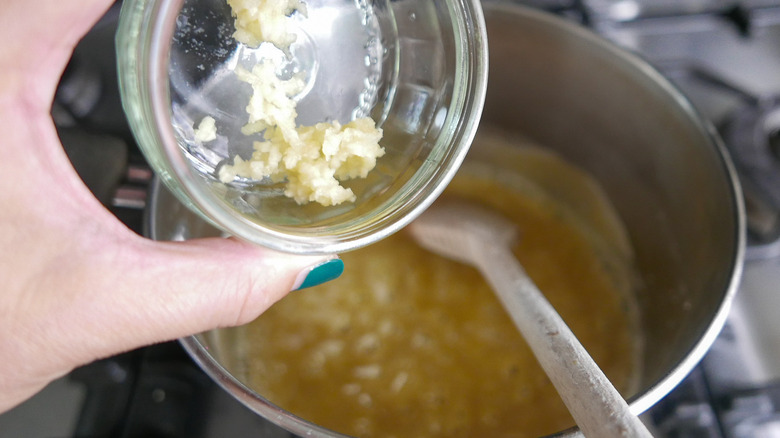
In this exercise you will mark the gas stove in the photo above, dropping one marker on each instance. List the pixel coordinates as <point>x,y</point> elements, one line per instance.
<point>723,55</point>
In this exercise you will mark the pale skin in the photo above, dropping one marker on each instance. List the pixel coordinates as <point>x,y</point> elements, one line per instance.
<point>75,284</point>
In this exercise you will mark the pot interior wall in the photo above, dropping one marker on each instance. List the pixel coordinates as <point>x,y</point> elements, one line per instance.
<point>607,113</point>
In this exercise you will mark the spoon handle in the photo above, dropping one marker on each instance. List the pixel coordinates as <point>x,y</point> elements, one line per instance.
<point>597,407</point>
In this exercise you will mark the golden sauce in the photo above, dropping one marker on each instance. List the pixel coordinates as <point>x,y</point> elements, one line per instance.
<point>409,344</point>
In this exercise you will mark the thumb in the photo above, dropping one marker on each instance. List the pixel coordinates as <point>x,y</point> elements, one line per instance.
<point>100,294</point>
<point>157,291</point>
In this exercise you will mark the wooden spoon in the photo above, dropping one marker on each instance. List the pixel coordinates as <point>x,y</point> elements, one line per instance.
<point>479,237</point>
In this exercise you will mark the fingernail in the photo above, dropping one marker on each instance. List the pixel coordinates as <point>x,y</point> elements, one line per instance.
<point>321,273</point>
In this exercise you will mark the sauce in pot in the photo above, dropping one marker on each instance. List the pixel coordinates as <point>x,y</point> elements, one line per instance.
<point>407,343</point>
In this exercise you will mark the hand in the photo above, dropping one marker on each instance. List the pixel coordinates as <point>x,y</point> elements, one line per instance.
<point>75,284</point>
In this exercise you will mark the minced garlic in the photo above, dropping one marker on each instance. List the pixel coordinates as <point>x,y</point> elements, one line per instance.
<point>259,21</point>
<point>271,103</point>
<point>311,159</point>
<point>206,130</point>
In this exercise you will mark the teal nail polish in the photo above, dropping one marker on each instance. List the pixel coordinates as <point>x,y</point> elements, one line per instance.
<point>322,273</point>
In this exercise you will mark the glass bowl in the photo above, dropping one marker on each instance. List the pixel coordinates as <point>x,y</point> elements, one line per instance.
<point>418,69</point>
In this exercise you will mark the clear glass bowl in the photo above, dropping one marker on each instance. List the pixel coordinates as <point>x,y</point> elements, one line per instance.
<point>419,69</point>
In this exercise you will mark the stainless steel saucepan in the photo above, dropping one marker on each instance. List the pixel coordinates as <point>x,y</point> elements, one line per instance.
<point>614,116</point>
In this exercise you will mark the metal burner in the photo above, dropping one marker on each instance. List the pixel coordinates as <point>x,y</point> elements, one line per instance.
<point>752,135</point>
